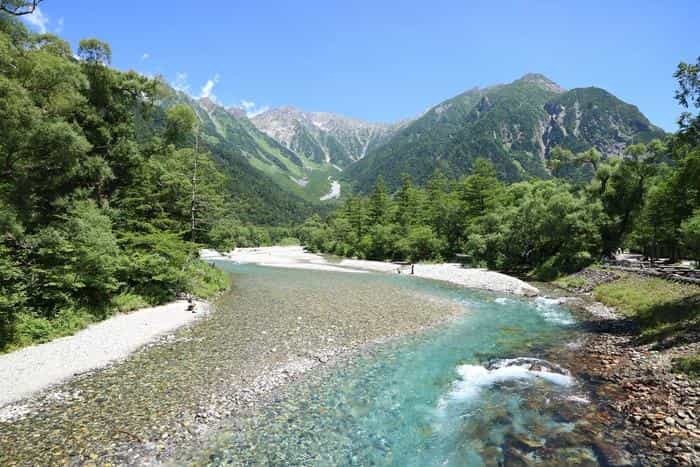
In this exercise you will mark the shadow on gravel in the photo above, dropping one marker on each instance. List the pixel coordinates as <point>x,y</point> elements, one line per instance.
<point>617,327</point>
<point>666,325</point>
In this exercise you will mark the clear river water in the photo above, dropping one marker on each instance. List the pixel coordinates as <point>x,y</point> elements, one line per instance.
<point>428,374</point>
<point>477,390</point>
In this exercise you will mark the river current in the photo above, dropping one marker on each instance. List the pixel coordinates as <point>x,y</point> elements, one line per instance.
<point>478,390</point>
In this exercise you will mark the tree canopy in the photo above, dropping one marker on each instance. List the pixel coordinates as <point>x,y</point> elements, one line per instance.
<point>95,217</point>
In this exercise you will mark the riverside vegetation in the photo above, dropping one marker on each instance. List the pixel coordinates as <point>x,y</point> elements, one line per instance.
<point>96,193</point>
<point>96,190</point>
<point>648,200</point>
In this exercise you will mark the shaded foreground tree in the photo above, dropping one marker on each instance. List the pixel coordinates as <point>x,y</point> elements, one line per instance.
<point>19,7</point>
<point>93,217</point>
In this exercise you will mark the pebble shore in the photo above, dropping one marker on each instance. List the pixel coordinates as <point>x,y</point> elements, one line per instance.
<point>32,369</point>
<point>262,335</point>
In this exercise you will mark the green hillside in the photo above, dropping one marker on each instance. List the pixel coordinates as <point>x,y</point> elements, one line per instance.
<point>514,126</point>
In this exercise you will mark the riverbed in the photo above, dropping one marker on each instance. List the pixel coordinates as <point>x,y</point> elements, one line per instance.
<point>318,367</point>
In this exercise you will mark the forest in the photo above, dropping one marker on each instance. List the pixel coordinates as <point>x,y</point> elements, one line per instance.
<point>648,201</point>
<point>98,208</point>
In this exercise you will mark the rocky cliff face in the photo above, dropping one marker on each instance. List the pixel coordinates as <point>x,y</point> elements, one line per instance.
<point>322,137</point>
<point>592,117</point>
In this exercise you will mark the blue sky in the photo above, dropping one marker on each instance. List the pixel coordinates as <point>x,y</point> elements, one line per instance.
<point>388,60</point>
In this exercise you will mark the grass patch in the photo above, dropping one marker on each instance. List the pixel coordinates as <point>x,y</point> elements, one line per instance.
<point>125,302</point>
<point>663,309</point>
<point>689,365</point>
<point>30,329</point>
<point>570,282</point>
<point>289,241</point>
<point>203,280</point>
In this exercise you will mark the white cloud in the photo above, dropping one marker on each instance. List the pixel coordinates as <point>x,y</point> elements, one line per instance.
<point>145,56</point>
<point>251,108</point>
<point>38,20</point>
<point>59,26</point>
<point>181,83</point>
<point>208,88</point>
<point>253,112</point>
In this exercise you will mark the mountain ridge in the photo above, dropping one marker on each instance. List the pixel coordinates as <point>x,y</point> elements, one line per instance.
<point>323,137</point>
<point>514,125</point>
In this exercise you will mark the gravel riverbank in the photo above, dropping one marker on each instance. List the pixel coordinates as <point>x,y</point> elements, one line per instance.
<point>36,368</point>
<point>297,257</point>
<point>272,327</point>
<point>651,410</point>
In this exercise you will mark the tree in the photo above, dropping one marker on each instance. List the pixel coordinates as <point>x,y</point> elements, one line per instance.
<point>95,51</point>
<point>479,189</point>
<point>379,202</point>
<point>93,205</point>
<point>621,186</point>
<point>19,7</point>
<point>181,123</point>
<point>558,159</point>
<point>75,260</point>
<point>592,156</point>
<point>688,95</point>
<point>421,243</point>
<point>690,231</point>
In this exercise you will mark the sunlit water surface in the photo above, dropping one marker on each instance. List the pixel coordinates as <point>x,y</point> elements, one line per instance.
<point>472,392</point>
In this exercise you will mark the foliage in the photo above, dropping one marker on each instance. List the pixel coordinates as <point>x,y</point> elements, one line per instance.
<point>570,282</point>
<point>688,95</point>
<point>30,328</point>
<point>204,280</point>
<point>19,7</point>
<point>94,218</point>
<point>544,226</point>
<point>258,170</point>
<point>126,301</point>
<point>690,231</point>
<point>689,365</point>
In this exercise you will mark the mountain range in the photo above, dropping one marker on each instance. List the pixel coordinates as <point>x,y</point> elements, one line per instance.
<point>514,125</point>
<point>298,159</point>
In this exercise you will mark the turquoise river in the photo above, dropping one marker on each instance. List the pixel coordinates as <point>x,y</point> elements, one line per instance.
<point>481,389</point>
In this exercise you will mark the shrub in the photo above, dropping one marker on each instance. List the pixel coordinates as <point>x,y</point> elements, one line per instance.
<point>126,301</point>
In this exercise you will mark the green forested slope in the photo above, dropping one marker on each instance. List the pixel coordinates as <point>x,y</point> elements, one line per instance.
<point>258,170</point>
<point>94,212</point>
<point>515,126</point>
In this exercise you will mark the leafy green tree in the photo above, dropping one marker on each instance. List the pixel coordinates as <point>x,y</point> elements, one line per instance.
<point>95,51</point>
<point>380,242</point>
<point>478,191</point>
<point>180,123</point>
<point>690,231</point>
<point>95,195</point>
<point>379,203</point>
<point>19,7</point>
<point>688,95</point>
<point>621,188</point>
<point>74,260</point>
<point>421,243</point>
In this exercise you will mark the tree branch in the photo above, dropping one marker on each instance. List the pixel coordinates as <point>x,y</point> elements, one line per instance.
<point>21,9</point>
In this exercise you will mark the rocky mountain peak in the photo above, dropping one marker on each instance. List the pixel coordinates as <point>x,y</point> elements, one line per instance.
<point>321,136</point>
<point>236,112</point>
<point>208,104</point>
<point>543,81</point>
